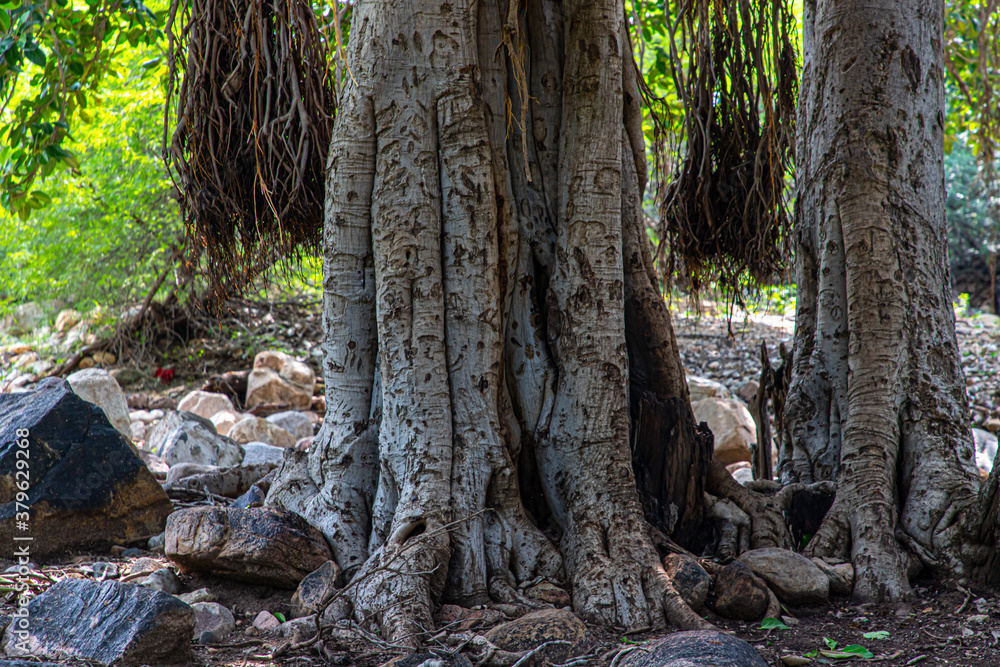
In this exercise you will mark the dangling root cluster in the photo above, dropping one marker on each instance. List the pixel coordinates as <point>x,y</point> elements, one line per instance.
<point>724,214</point>
<point>254,111</point>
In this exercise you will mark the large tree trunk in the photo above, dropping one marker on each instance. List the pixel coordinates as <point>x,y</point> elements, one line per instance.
<point>484,257</point>
<point>877,401</point>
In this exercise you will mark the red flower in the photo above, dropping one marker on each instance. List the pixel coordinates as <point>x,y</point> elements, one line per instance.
<point>164,374</point>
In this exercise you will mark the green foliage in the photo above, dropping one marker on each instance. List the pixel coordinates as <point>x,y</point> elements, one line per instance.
<point>772,624</point>
<point>56,56</point>
<point>104,236</point>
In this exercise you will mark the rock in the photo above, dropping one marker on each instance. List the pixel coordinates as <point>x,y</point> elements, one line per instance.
<point>313,589</point>
<point>73,619</point>
<point>126,376</point>
<point>98,387</point>
<point>254,497</point>
<point>296,423</point>
<point>841,576</point>
<point>156,542</point>
<point>532,629</point>
<point>145,566</point>
<point>689,578</point>
<point>26,317</point>
<point>428,660</point>
<point>86,363</point>
<point>460,619</point>
<point>105,358</point>
<point>105,570</point>
<point>549,594</point>
<point>265,386</point>
<point>256,453</point>
<point>748,391</point>
<point>304,444</point>
<point>183,437</point>
<point>138,431</point>
<point>228,482</point>
<point>213,617</point>
<point>155,464</point>
<point>793,577</point>
<point>732,425</point>
<point>164,579</point>
<point>740,594</point>
<point>205,404</point>
<point>256,429</point>
<point>132,553</point>
<point>194,597</point>
<point>261,545</point>
<point>67,319</point>
<point>224,421</point>
<point>265,621</point>
<point>701,388</point>
<point>702,648</point>
<point>179,471</point>
<point>986,448</point>
<point>87,486</point>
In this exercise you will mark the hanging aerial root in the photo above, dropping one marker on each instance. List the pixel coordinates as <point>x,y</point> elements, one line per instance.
<point>724,214</point>
<point>254,103</point>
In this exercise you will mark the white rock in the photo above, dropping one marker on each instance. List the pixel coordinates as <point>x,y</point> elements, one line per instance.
<point>701,388</point>
<point>213,617</point>
<point>165,580</point>
<point>225,420</point>
<point>261,452</point>
<point>67,319</point>
<point>296,423</point>
<point>255,429</point>
<point>98,387</point>
<point>265,386</point>
<point>138,430</point>
<point>731,424</point>
<point>184,437</point>
<point>986,448</point>
<point>206,404</point>
<point>143,416</point>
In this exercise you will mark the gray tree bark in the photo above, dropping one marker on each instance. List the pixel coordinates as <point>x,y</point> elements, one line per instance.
<point>877,401</point>
<point>484,252</point>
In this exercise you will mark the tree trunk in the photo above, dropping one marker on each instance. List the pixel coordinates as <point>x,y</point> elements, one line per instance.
<point>877,401</point>
<point>489,302</point>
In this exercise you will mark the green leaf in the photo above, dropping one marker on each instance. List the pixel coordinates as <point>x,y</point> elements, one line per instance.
<point>772,624</point>
<point>278,615</point>
<point>858,649</point>
<point>876,634</point>
<point>34,53</point>
<point>830,644</point>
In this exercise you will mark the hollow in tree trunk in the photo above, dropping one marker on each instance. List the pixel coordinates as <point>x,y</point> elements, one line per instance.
<point>485,255</point>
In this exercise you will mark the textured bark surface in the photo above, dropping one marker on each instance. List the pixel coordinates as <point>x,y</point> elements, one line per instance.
<point>489,304</point>
<point>877,400</point>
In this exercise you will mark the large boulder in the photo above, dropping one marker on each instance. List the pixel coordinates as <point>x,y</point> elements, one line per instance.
<point>106,622</point>
<point>86,487</point>
<point>206,404</point>
<point>731,424</point>
<point>262,545</point>
<point>794,578</point>
<point>538,627</point>
<point>702,648</point>
<point>256,429</point>
<point>740,594</point>
<point>96,386</point>
<point>278,379</point>
<point>183,437</point>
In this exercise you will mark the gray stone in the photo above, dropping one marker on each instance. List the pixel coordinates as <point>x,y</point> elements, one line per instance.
<point>702,648</point>
<point>164,579</point>
<point>256,429</point>
<point>261,545</point>
<point>72,620</point>
<point>261,452</point>
<point>228,482</point>
<point>296,423</point>
<point>156,542</point>
<point>793,577</point>
<point>986,448</point>
<point>87,488</point>
<point>527,632</point>
<point>213,617</point>
<point>200,595</point>
<point>95,385</point>
<point>312,590</point>
<point>689,578</point>
<point>183,437</point>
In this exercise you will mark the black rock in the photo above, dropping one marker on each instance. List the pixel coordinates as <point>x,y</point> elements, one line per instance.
<point>108,622</point>
<point>134,552</point>
<point>254,497</point>
<point>703,648</point>
<point>78,477</point>
<point>689,578</point>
